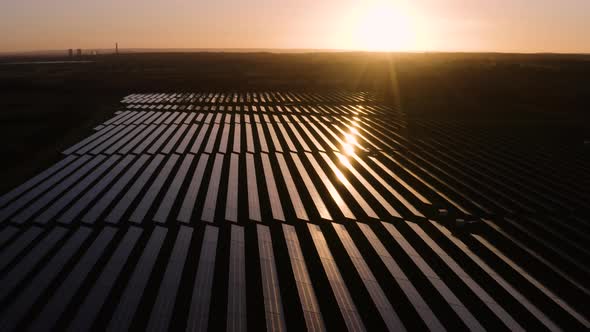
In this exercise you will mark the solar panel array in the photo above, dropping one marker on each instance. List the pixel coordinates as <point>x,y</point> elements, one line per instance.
<point>284,210</point>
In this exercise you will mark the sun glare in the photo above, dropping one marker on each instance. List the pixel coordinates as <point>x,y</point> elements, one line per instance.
<point>384,26</point>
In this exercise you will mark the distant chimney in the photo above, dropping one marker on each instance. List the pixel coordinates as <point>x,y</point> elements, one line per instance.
<point>116,48</point>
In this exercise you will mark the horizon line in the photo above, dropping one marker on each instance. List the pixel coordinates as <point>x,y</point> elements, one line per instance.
<point>275,50</point>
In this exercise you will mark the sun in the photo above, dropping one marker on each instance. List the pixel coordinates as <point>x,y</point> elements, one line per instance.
<point>383,26</point>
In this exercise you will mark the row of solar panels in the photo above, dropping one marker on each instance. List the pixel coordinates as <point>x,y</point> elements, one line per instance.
<point>352,109</point>
<point>248,113</point>
<point>493,179</point>
<point>215,187</point>
<point>523,177</point>
<point>306,134</point>
<point>342,124</point>
<point>250,97</point>
<point>387,179</point>
<point>563,168</point>
<point>498,159</point>
<point>274,187</point>
<point>385,277</point>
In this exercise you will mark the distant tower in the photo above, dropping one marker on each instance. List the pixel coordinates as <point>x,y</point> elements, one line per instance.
<point>71,53</point>
<point>117,48</point>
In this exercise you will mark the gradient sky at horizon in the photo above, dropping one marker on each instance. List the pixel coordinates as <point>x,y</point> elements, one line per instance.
<point>396,25</point>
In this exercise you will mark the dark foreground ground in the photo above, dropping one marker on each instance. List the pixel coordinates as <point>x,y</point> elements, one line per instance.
<point>46,107</point>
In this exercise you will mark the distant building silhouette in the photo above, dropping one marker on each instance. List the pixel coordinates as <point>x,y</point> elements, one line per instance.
<point>79,52</point>
<point>70,52</point>
<point>117,48</point>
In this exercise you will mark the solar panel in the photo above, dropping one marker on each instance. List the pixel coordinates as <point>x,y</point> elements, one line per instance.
<point>331,189</point>
<point>212,192</point>
<point>38,189</point>
<point>170,197</point>
<point>286,137</point>
<point>162,309</point>
<point>198,316</point>
<point>100,133</point>
<point>172,142</point>
<point>212,138</point>
<point>200,137</point>
<point>374,192</point>
<point>118,137</point>
<point>87,312</point>
<point>51,312</point>
<point>388,314</point>
<point>122,140</point>
<point>273,306</point>
<point>555,297</point>
<point>347,308</point>
<point>6,234</point>
<point>123,204</point>
<point>20,304</point>
<point>24,266</point>
<point>261,138</point>
<point>315,195</point>
<point>224,138</point>
<point>307,296</point>
<point>504,316</point>
<point>161,139</point>
<point>343,180</point>
<point>127,305</point>
<point>147,141</point>
<point>137,139</point>
<point>231,206</point>
<point>274,137</point>
<point>464,314</point>
<point>403,280</point>
<point>148,198</point>
<point>236,290</point>
<point>35,180</point>
<point>75,191</point>
<point>58,189</point>
<point>291,188</point>
<point>271,186</point>
<point>237,138</point>
<point>191,195</point>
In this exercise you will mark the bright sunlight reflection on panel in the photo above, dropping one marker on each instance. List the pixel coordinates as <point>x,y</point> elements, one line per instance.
<point>349,143</point>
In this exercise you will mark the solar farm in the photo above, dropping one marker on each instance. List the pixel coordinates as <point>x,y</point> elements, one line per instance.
<point>283,211</point>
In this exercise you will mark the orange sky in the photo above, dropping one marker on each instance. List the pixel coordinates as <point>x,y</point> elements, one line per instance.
<point>397,25</point>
